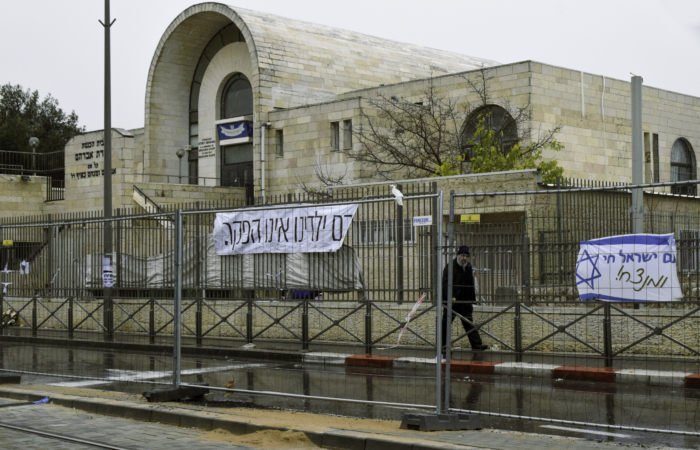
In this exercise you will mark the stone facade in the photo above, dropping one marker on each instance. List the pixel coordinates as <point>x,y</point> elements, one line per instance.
<point>306,77</point>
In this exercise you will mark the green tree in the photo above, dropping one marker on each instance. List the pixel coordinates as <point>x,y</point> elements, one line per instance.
<point>23,115</point>
<point>489,157</point>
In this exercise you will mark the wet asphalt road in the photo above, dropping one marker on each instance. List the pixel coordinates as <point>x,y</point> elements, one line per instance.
<point>637,406</point>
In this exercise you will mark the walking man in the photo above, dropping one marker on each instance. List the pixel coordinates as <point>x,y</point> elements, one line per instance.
<point>463,297</point>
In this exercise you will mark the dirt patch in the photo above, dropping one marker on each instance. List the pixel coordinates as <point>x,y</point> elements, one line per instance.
<point>262,439</point>
<point>82,392</point>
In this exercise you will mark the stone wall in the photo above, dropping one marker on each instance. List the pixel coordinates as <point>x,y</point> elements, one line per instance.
<point>185,195</point>
<point>21,198</point>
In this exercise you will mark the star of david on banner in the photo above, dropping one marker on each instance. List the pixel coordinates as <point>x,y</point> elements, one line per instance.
<point>592,272</point>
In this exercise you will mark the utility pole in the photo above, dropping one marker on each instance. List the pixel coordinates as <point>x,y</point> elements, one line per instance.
<point>637,208</point>
<point>107,179</point>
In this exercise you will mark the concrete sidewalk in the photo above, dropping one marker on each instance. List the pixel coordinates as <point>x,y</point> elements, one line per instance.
<point>323,431</point>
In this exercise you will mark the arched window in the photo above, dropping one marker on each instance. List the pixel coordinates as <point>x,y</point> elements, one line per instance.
<point>683,166</point>
<point>495,118</point>
<point>237,98</point>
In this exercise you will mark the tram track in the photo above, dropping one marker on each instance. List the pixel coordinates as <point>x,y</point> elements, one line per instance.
<point>61,437</point>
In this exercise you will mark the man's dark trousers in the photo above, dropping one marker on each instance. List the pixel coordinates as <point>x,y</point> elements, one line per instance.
<point>466,310</point>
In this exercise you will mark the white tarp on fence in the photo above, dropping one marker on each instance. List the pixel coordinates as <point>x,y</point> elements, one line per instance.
<point>634,267</point>
<point>338,271</point>
<point>306,229</point>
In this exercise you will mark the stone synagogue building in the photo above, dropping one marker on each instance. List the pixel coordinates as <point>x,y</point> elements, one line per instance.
<point>254,102</point>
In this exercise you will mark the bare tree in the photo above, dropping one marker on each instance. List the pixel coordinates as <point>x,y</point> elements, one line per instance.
<point>439,135</point>
<point>327,177</point>
<point>414,139</point>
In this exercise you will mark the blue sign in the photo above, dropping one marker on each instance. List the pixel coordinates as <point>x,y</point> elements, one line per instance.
<point>237,130</point>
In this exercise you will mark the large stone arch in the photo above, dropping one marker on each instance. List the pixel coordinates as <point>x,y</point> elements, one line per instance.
<point>170,76</point>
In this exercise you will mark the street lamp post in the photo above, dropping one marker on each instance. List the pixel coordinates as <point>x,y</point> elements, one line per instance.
<point>180,153</point>
<point>34,142</point>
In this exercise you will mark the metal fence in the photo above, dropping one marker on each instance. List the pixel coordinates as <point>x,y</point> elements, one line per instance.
<point>50,165</point>
<point>523,248</point>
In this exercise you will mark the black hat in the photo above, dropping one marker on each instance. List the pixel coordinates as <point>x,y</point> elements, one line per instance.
<point>463,250</point>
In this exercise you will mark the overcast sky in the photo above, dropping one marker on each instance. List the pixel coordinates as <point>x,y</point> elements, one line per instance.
<point>57,46</point>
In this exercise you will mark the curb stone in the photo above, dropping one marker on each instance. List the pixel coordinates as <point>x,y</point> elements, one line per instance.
<point>567,372</point>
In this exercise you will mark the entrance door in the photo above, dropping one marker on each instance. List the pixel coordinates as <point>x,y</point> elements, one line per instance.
<point>237,168</point>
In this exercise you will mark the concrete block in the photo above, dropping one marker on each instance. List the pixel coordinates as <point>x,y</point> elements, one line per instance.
<point>651,377</point>
<point>370,360</point>
<point>170,394</point>
<point>525,369</point>
<point>440,422</point>
<point>196,421</point>
<point>342,441</point>
<point>602,374</point>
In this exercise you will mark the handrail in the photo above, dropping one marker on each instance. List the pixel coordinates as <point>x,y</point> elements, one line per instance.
<point>157,207</point>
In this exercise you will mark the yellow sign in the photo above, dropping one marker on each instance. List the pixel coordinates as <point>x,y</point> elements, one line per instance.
<point>7,243</point>
<point>470,218</point>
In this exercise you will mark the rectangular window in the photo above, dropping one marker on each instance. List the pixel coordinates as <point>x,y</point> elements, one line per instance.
<point>193,165</point>
<point>381,231</point>
<point>279,142</point>
<point>655,155</point>
<point>335,135</point>
<point>347,133</point>
<point>648,163</point>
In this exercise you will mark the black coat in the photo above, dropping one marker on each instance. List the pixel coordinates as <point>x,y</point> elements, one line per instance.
<point>462,283</point>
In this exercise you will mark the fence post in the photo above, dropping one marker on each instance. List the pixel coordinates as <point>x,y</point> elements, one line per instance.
<point>249,319</point>
<point>70,318</point>
<point>607,335</point>
<point>152,322</point>
<point>518,333</point>
<point>438,305</point>
<point>34,319</point>
<point>177,311</point>
<point>450,293</point>
<point>305,324</point>
<point>118,250</point>
<point>559,247</point>
<point>399,251</point>
<point>201,293</point>
<point>2,310</point>
<point>435,234</point>
<point>368,326</point>
<point>49,262</point>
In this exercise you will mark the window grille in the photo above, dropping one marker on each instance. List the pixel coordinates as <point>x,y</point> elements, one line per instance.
<point>495,118</point>
<point>682,166</point>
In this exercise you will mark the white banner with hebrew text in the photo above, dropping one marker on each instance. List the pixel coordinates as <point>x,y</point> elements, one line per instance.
<point>306,229</point>
<point>633,268</point>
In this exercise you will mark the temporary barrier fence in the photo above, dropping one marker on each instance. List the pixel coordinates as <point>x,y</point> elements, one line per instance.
<point>523,246</point>
<point>524,251</point>
<point>172,289</point>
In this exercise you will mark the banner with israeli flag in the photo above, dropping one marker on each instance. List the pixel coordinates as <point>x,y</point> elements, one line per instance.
<point>631,268</point>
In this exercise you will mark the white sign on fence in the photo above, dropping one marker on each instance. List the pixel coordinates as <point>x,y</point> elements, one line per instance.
<point>633,267</point>
<point>306,229</point>
<point>422,221</point>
